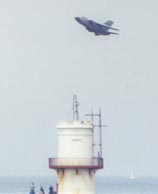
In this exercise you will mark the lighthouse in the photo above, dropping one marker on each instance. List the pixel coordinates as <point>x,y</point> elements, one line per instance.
<point>76,163</point>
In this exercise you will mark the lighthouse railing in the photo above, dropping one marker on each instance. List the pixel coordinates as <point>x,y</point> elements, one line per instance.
<point>91,163</point>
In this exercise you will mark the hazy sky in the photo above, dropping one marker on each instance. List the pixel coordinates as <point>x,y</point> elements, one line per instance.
<point>46,57</point>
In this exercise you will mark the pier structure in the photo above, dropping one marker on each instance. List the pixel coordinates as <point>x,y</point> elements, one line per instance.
<point>76,163</point>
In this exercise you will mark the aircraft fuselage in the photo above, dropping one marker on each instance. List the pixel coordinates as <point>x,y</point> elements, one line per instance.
<point>95,27</point>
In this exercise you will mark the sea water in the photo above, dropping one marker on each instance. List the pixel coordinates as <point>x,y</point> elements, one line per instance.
<point>104,185</point>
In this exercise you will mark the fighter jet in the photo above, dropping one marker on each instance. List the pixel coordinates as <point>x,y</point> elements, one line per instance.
<point>98,29</point>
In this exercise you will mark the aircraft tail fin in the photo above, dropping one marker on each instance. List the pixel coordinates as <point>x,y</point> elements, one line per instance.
<point>109,23</point>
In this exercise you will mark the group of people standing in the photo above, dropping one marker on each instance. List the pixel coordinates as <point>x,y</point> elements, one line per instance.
<point>51,189</point>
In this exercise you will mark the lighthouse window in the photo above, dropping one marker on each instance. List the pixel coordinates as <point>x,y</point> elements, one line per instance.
<point>76,139</point>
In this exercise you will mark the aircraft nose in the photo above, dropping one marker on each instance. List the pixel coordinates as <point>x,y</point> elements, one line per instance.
<point>77,19</point>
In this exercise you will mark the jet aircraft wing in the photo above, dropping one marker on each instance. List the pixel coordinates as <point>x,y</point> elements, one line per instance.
<point>111,28</point>
<point>113,33</point>
<point>105,26</point>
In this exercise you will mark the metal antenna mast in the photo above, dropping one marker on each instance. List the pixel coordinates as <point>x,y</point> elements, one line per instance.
<point>100,128</point>
<point>75,108</point>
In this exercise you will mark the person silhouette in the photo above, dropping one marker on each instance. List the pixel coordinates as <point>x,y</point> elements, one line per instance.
<point>51,190</point>
<point>32,191</point>
<point>42,190</point>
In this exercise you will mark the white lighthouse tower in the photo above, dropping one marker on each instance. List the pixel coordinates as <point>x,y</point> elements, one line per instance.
<point>76,163</point>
